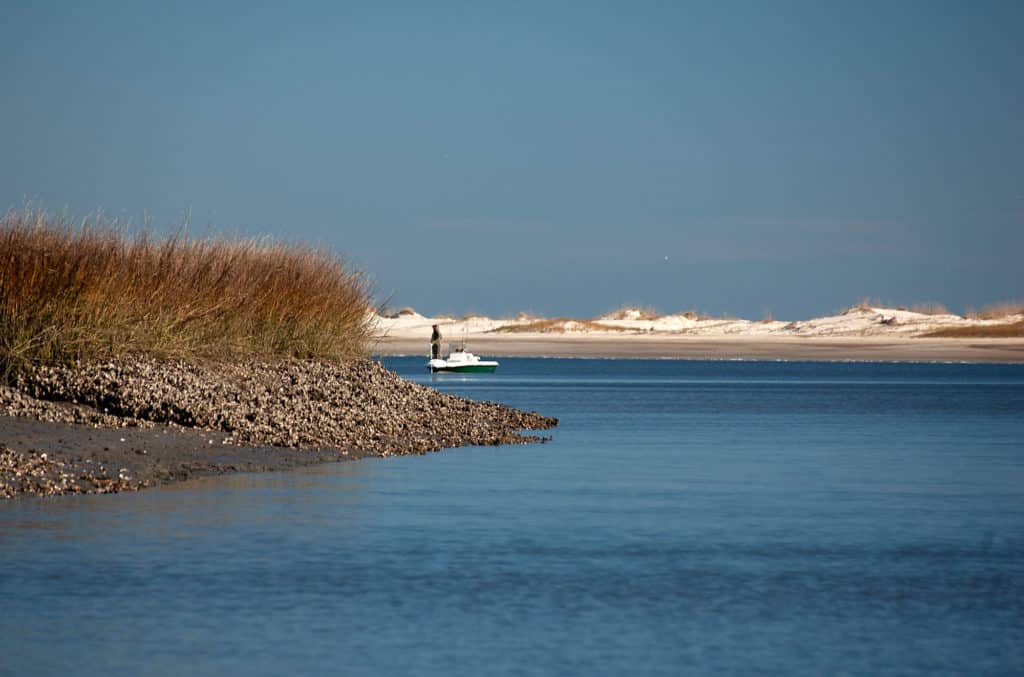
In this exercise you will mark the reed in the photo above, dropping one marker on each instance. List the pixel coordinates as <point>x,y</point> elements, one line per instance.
<point>90,291</point>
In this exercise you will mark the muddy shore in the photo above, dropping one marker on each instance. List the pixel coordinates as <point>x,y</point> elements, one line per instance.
<point>83,459</point>
<point>137,423</point>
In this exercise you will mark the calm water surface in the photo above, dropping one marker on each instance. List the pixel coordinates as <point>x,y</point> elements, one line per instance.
<point>697,517</point>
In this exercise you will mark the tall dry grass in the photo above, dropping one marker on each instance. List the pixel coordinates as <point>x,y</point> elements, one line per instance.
<point>91,291</point>
<point>1005,330</point>
<point>997,311</point>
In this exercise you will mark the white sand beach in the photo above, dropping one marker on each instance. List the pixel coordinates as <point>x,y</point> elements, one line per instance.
<point>861,333</point>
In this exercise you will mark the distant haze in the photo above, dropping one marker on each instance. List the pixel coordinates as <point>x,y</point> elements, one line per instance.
<point>565,159</point>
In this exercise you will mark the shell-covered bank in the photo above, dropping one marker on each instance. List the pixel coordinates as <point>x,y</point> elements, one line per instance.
<point>135,422</point>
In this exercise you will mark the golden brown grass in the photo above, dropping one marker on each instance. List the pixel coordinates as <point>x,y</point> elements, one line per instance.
<point>1007,330</point>
<point>998,311</point>
<point>553,325</point>
<point>92,292</point>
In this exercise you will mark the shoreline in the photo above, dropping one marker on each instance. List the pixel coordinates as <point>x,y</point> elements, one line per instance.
<point>73,458</point>
<point>136,423</point>
<point>768,348</point>
<point>59,444</point>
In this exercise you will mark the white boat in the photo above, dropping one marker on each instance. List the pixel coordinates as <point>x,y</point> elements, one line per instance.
<point>462,361</point>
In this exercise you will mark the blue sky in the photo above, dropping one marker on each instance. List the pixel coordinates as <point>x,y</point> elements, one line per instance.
<point>789,158</point>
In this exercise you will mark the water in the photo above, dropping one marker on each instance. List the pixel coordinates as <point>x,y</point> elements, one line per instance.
<point>699,517</point>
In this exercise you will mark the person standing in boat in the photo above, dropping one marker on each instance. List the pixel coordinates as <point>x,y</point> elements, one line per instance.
<point>435,344</point>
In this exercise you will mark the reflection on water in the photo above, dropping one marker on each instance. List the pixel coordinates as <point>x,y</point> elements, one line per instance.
<point>688,517</point>
<point>204,504</point>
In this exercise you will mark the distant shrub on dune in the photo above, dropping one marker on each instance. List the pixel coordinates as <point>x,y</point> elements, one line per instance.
<point>694,315</point>
<point>1007,330</point>
<point>404,312</point>
<point>92,292</point>
<point>998,311</point>
<point>554,325</point>
<point>631,313</point>
<point>862,305</point>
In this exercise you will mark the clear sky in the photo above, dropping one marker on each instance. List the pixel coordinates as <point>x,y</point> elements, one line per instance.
<point>563,158</point>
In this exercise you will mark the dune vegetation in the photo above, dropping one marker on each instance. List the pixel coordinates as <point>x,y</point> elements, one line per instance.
<point>1004,330</point>
<point>1012,327</point>
<point>72,292</point>
<point>631,313</point>
<point>997,311</point>
<point>554,325</point>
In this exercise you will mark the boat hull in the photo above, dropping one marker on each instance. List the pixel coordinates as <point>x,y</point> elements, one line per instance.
<point>467,369</point>
<point>462,362</point>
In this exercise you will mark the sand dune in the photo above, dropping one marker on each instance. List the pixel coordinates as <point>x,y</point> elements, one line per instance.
<point>861,333</point>
<point>859,321</point>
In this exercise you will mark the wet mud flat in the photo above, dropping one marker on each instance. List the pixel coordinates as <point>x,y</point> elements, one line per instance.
<point>45,458</point>
<point>131,424</point>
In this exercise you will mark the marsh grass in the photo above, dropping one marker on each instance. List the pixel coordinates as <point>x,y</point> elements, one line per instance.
<point>1006,330</point>
<point>90,291</point>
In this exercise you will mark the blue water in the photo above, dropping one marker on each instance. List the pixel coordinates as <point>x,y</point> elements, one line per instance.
<point>689,517</point>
